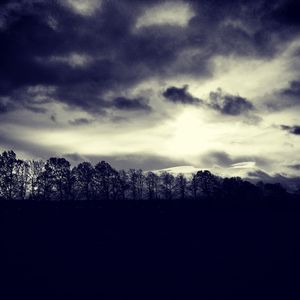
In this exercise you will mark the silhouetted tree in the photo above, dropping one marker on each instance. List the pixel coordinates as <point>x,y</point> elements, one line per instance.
<point>116,185</point>
<point>132,184</point>
<point>275,190</point>
<point>84,175</point>
<point>167,185</point>
<point>124,184</point>
<point>57,175</point>
<point>180,187</point>
<point>103,180</point>
<point>22,177</point>
<point>35,174</point>
<point>140,184</point>
<point>136,184</point>
<point>208,183</point>
<point>231,187</point>
<point>8,175</point>
<point>152,186</point>
<point>235,188</point>
<point>194,186</point>
<point>55,180</point>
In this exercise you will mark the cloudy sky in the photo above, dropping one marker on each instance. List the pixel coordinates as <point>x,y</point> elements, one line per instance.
<point>153,84</point>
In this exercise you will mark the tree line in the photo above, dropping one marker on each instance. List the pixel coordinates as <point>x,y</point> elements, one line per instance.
<point>55,179</point>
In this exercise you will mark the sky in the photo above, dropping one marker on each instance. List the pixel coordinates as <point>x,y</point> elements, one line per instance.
<point>153,84</point>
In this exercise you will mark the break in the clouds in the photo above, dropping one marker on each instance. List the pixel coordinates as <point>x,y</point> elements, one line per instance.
<point>174,81</point>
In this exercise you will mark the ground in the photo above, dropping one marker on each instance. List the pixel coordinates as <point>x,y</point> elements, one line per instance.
<point>149,250</point>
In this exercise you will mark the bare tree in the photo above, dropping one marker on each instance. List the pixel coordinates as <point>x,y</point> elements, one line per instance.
<point>152,184</point>
<point>35,172</point>
<point>55,180</point>
<point>194,186</point>
<point>208,183</point>
<point>8,176</point>
<point>124,184</point>
<point>181,186</point>
<point>133,178</point>
<point>84,174</point>
<point>23,178</point>
<point>167,185</point>
<point>57,173</point>
<point>103,180</point>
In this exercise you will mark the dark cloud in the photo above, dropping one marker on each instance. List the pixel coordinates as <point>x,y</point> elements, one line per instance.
<point>84,96</point>
<point>223,159</point>
<point>53,118</point>
<point>81,121</point>
<point>180,95</point>
<point>30,98</point>
<point>287,13</point>
<point>143,161</point>
<point>123,103</point>
<point>6,105</point>
<point>292,91</point>
<point>291,129</point>
<point>122,56</point>
<point>289,183</point>
<point>217,158</point>
<point>295,167</point>
<point>224,103</point>
<point>229,104</point>
<point>247,28</point>
<point>146,162</point>
<point>285,98</point>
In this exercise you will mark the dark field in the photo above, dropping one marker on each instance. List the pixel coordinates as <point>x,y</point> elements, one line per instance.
<point>150,250</point>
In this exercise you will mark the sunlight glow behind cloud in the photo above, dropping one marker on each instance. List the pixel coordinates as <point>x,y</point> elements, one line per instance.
<point>180,80</point>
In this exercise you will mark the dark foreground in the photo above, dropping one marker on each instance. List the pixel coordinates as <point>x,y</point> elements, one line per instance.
<point>149,250</point>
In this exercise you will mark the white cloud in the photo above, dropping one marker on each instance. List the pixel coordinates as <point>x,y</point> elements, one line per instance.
<point>84,7</point>
<point>244,165</point>
<point>172,13</point>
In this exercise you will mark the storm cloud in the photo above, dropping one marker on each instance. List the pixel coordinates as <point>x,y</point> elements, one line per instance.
<point>291,129</point>
<point>293,90</point>
<point>180,95</point>
<point>123,103</point>
<point>97,50</point>
<point>229,104</point>
<point>295,167</point>
<point>168,80</point>
<point>220,101</point>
